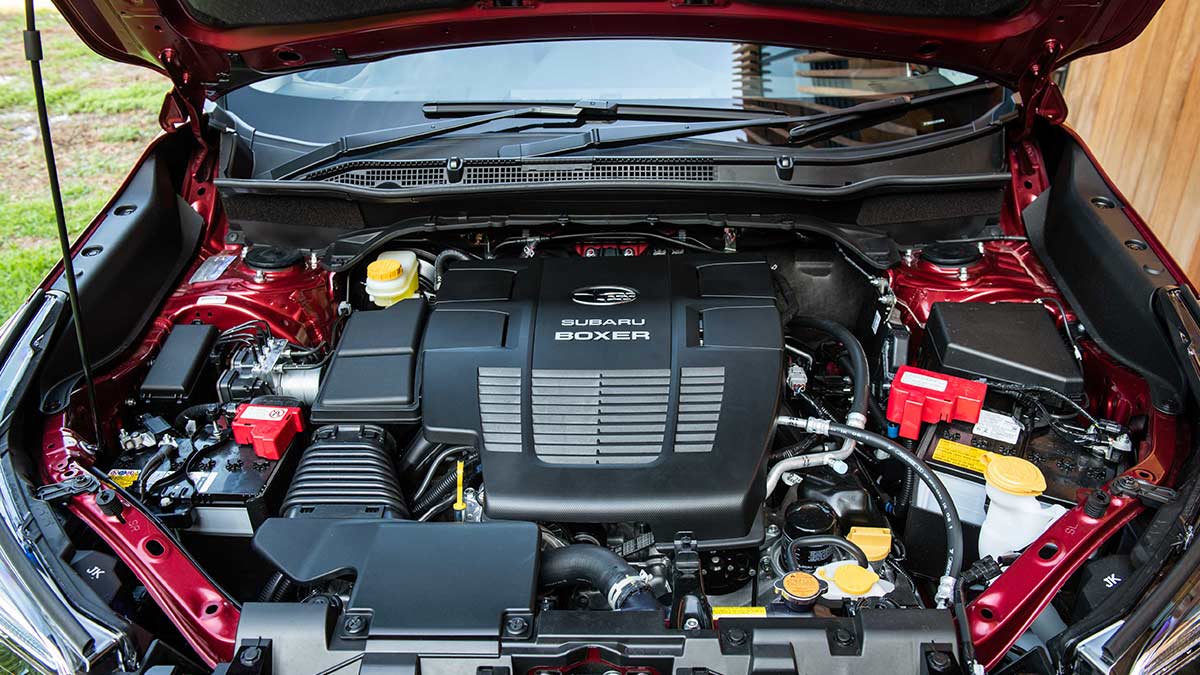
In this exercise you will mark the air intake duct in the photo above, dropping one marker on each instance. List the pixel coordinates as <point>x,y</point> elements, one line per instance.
<point>346,473</point>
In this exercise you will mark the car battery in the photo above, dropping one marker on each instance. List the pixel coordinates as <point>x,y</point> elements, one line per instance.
<point>230,492</point>
<point>954,451</point>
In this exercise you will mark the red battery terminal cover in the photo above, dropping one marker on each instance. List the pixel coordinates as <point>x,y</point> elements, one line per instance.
<point>269,428</point>
<point>925,396</point>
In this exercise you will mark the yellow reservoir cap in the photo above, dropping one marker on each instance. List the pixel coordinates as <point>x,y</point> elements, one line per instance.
<point>384,269</point>
<point>854,580</point>
<point>1013,475</point>
<point>876,542</point>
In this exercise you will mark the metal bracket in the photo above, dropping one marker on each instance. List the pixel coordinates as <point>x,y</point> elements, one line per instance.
<point>1149,493</point>
<point>1040,97</point>
<point>689,604</point>
<point>84,483</point>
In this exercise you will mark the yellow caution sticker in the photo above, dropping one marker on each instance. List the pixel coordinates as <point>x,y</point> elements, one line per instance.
<point>961,455</point>
<point>739,611</point>
<point>124,478</point>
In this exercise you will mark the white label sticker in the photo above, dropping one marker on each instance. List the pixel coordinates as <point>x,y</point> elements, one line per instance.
<point>263,412</point>
<point>212,268</point>
<point>923,381</point>
<point>210,300</point>
<point>202,479</point>
<point>875,321</point>
<point>998,427</point>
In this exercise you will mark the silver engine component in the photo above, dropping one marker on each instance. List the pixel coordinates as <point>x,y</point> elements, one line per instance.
<point>269,369</point>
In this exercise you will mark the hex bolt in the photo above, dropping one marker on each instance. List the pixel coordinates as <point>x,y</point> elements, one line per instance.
<point>736,637</point>
<point>355,624</point>
<point>939,662</point>
<point>250,656</point>
<point>772,530</point>
<point>843,637</point>
<point>516,625</point>
<point>691,624</point>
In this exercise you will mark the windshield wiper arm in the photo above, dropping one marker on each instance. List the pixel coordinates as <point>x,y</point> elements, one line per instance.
<point>624,111</point>
<point>805,128</point>
<point>370,141</point>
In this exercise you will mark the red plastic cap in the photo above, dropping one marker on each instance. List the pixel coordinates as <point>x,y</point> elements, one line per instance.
<point>925,396</point>
<point>269,428</point>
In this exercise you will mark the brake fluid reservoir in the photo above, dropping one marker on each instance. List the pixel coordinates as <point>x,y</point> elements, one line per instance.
<point>1014,517</point>
<point>393,276</point>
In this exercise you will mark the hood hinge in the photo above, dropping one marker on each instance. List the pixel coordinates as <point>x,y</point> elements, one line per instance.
<point>183,105</point>
<point>1040,96</point>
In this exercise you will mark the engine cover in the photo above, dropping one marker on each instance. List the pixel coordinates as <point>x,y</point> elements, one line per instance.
<point>613,389</point>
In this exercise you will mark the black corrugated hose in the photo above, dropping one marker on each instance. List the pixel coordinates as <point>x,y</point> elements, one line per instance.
<point>601,569</point>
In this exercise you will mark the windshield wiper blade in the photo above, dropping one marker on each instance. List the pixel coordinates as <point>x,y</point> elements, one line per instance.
<point>624,111</point>
<point>370,141</point>
<point>805,128</point>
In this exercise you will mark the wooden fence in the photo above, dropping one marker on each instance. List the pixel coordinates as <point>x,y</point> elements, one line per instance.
<point>1138,109</point>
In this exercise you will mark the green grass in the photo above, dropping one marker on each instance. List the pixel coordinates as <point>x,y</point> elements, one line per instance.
<point>102,115</point>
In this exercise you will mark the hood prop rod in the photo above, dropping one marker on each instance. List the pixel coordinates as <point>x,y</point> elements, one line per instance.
<point>33,54</point>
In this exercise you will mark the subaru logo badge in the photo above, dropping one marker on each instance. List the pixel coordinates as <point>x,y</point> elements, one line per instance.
<point>603,296</point>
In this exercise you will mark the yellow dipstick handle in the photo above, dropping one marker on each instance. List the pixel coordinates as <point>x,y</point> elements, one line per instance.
<point>460,505</point>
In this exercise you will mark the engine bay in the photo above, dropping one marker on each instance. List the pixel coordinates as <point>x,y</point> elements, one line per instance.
<point>687,432</point>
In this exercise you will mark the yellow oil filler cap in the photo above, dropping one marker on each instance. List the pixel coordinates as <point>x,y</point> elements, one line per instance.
<point>876,542</point>
<point>854,580</point>
<point>384,269</point>
<point>1013,475</point>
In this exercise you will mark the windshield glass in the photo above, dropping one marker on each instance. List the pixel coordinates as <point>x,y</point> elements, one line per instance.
<point>693,73</point>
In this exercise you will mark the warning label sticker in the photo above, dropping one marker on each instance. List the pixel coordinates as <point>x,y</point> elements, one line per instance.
<point>960,455</point>
<point>739,611</point>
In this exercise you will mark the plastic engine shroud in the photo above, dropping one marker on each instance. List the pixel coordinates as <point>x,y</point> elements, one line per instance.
<point>611,389</point>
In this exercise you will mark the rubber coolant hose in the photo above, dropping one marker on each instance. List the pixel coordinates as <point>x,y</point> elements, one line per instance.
<point>826,540</point>
<point>600,568</point>
<point>950,519</point>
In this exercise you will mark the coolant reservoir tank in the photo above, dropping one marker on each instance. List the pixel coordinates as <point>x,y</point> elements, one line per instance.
<point>1015,517</point>
<point>393,276</point>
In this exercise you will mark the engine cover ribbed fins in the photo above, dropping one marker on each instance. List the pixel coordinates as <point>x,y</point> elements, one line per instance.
<point>347,472</point>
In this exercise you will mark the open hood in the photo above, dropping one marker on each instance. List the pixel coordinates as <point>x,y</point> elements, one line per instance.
<point>211,46</point>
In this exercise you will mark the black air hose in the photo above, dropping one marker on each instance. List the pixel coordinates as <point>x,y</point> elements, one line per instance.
<point>600,568</point>
<point>440,262</point>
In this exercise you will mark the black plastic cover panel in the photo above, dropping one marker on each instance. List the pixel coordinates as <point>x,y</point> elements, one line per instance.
<point>414,579</point>
<point>1009,341</point>
<point>373,374</point>
<point>610,389</point>
<point>178,364</point>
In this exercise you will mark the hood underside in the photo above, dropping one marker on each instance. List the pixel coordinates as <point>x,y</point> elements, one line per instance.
<point>212,46</point>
